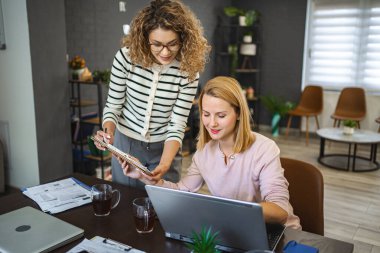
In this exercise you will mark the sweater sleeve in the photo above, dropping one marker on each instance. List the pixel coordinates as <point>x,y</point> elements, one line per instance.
<point>117,87</point>
<point>273,184</point>
<point>181,109</point>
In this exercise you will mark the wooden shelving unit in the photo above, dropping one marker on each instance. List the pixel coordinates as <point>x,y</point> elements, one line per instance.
<point>248,75</point>
<point>77,105</point>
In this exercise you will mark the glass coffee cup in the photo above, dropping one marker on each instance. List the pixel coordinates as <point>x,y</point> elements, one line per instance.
<point>144,215</point>
<point>104,198</point>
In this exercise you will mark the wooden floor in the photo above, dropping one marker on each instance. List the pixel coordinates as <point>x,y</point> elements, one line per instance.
<point>352,199</point>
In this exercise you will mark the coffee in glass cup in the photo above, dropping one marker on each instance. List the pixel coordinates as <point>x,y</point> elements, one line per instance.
<point>144,215</point>
<point>102,196</point>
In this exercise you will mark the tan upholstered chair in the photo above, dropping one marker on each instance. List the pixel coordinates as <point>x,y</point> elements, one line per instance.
<point>306,193</point>
<point>351,105</point>
<point>310,105</point>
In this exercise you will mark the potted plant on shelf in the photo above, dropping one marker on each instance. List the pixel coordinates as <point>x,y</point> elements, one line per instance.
<point>102,76</point>
<point>246,17</point>
<point>233,52</point>
<point>279,108</point>
<point>349,127</point>
<point>203,242</point>
<point>77,66</point>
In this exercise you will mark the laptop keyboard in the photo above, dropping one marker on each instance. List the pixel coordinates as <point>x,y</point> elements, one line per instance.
<point>274,233</point>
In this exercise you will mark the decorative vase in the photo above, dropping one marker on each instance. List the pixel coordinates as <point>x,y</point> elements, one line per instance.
<point>348,130</point>
<point>276,124</point>
<point>76,73</point>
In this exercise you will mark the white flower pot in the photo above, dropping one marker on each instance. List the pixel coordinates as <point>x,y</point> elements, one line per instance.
<point>248,49</point>
<point>76,73</point>
<point>242,21</point>
<point>247,39</point>
<point>348,130</point>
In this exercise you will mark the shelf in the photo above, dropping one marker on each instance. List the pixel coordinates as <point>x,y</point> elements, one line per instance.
<point>84,103</point>
<point>95,121</point>
<point>86,82</point>
<point>252,99</point>
<point>98,158</point>
<point>246,70</point>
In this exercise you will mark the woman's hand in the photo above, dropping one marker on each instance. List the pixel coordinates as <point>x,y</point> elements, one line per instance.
<point>128,170</point>
<point>132,172</point>
<point>106,137</point>
<point>159,172</point>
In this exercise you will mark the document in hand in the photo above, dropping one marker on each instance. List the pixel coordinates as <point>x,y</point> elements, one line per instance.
<point>60,195</point>
<point>118,153</point>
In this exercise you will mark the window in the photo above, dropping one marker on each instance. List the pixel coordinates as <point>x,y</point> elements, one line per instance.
<point>343,44</point>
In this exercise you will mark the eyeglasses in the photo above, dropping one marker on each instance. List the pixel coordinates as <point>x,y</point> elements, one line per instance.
<point>158,47</point>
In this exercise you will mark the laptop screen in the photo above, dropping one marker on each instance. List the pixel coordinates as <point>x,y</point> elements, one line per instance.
<point>240,224</point>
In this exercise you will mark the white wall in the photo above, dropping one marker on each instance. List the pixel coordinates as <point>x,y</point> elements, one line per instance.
<point>329,102</point>
<point>16,96</point>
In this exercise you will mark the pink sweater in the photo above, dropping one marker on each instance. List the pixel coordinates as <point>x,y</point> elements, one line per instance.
<point>255,175</point>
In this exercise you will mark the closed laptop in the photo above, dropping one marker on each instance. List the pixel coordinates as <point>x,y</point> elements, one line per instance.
<point>240,224</point>
<point>30,230</point>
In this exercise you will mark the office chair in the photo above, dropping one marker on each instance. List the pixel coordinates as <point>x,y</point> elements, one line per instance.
<point>306,193</point>
<point>351,105</point>
<point>310,105</point>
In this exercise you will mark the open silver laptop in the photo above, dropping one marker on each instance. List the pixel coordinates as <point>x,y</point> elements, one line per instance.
<point>30,230</point>
<point>240,224</point>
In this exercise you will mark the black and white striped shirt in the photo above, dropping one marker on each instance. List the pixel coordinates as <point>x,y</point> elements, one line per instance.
<point>149,105</point>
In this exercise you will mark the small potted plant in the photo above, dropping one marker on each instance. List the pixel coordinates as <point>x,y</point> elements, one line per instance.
<point>279,108</point>
<point>349,126</point>
<point>246,18</point>
<point>203,242</point>
<point>77,66</point>
<point>233,52</point>
<point>102,76</point>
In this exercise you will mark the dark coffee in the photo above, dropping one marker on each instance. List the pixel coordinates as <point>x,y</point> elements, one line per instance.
<point>102,204</point>
<point>144,225</point>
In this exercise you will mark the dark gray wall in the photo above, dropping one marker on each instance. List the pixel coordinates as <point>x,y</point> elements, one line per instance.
<point>283,31</point>
<point>51,91</point>
<point>94,30</point>
<point>94,27</point>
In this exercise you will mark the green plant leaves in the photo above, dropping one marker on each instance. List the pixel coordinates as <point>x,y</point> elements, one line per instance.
<point>277,105</point>
<point>204,242</point>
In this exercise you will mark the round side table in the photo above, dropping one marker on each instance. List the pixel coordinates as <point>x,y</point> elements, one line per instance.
<point>351,159</point>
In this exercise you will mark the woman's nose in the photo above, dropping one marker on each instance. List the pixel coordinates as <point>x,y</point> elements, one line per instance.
<point>213,121</point>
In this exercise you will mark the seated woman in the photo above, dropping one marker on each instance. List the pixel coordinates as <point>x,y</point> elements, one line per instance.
<point>232,160</point>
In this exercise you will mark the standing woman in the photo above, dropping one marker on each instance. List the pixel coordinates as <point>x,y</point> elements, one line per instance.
<point>154,79</point>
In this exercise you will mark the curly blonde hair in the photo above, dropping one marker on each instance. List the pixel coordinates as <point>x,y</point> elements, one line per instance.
<point>169,15</point>
<point>228,89</point>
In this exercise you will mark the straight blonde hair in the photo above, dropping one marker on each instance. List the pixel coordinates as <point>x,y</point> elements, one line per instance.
<point>228,89</point>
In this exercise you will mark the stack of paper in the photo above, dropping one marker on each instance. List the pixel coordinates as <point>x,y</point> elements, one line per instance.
<point>99,244</point>
<point>59,196</point>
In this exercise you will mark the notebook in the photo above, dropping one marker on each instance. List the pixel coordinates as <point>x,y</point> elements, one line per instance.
<point>30,230</point>
<point>240,224</point>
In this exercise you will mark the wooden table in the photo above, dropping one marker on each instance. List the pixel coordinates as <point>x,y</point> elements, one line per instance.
<point>350,159</point>
<point>119,225</point>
